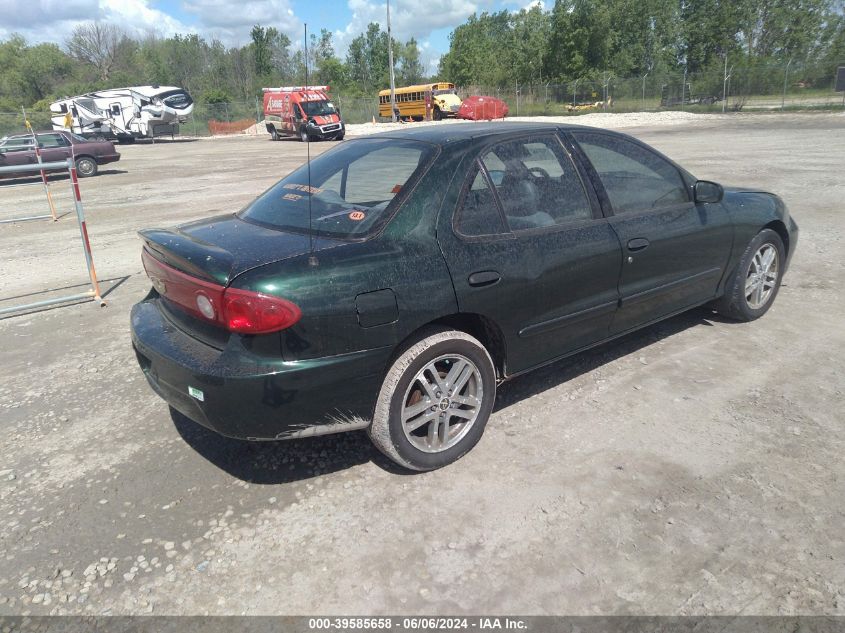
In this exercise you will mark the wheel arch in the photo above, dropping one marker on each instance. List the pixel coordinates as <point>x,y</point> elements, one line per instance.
<point>780,228</point>
<point>483,328</point>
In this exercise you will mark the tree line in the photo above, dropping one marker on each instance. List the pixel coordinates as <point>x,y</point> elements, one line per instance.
<point>580,39</point>
<point>101,55</point>
<point>574,39</point>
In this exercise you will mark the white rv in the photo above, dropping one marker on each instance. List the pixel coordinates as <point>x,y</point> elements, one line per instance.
<point>124,113</point>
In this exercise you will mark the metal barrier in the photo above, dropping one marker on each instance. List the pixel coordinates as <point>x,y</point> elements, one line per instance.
<point>94,292</point>
<point>42,167</point>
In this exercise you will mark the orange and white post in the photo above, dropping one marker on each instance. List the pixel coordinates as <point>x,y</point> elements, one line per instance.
<point>43,173</point>
<point>83,231</point>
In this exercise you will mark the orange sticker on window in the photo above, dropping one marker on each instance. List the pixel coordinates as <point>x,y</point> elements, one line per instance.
<point>357,216</point>
<point>396,189</point>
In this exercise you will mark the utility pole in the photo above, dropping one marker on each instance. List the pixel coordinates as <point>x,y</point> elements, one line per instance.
<point>644,78</point>
<point>785,78</point>
<point>390,61</point>
<point>725,85</point>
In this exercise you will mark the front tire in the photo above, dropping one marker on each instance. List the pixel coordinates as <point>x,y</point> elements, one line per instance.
<point>86,167</point>
<point>303,135</point>
<point>751,291</point>
<point>438,115</point>
<point>435,400</point>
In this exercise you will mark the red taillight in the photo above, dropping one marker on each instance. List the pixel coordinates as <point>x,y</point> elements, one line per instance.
<point>255,313</point>
<point>236,310</point>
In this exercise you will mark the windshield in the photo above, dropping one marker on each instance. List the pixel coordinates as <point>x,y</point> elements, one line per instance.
<point>351,192</point>
<point>445,92</point>
<point>318,108</point>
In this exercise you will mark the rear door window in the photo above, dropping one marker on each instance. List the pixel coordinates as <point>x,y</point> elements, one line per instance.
<point>479,213</point>
<point>18,144</point>
<point>537,183</point>
<point>634,178</point>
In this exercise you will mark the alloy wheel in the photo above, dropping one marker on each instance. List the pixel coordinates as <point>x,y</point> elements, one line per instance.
<point>762,277</point>
<point>442,403</point>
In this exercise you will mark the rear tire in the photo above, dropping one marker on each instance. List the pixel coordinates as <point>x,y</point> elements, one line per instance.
<point>274,135</point>
<point>435,400</point>
<point>752,289</point>
<point>86,167</point>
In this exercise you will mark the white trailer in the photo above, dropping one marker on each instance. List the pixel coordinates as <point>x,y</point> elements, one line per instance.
<point>124,114</point>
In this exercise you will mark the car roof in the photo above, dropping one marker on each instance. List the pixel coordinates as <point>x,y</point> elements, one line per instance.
<point>29,134</point>
<point>450,133</point>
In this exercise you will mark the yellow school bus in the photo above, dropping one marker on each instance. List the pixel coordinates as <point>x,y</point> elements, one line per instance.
<point>410,101</point>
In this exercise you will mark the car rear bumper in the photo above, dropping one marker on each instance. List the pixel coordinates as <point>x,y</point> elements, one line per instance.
<point>241,395</point>
<point>108,158</point>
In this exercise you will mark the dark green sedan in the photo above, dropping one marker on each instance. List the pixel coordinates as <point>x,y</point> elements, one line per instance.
<point>394,282</point>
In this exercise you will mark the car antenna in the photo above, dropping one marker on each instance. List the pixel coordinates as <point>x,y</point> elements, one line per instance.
<point>312,258</point>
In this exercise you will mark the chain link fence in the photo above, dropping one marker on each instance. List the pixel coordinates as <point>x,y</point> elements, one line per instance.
<point>728,90</point>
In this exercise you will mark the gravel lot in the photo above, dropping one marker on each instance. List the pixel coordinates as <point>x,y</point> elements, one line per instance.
<point>695,467</point>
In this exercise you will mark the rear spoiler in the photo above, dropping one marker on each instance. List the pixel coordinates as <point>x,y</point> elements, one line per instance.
<point>193,257</point>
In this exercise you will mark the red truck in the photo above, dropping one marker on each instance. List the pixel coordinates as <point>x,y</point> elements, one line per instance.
<point>303,111</point>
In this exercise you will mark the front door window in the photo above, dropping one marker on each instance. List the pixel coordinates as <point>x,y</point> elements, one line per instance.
<point>634,178</point>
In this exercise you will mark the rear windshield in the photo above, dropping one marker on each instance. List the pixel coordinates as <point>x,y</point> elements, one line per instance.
<point>352,189</point>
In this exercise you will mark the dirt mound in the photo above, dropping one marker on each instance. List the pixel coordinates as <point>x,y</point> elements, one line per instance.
<point>256,129</point>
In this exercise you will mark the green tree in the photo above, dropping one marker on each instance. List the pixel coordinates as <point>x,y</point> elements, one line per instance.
<point>31,73</point>
<point>644,36</point>
<point>325,67</point>
<point>410,68</point>
<point>367,59</point>
<point>280,57</point>
<point>262,49</point>
<point>477,52</point>
<point>580,40</point>
<point>530,32</point>
<point>710,31</point>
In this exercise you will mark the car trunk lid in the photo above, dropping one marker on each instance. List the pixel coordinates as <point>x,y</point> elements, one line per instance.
<point>204,257</point>
<point>221,248</point>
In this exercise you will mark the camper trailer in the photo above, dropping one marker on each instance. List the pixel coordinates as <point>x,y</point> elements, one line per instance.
<point>124,114</point>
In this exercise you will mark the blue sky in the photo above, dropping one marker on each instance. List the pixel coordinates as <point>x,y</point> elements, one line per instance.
<point>430,22</point>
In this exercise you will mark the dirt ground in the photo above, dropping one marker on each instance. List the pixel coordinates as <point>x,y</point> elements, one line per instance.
<point>692,468</point>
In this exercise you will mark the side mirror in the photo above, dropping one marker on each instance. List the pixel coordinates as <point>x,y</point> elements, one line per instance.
<point>706,191</point>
